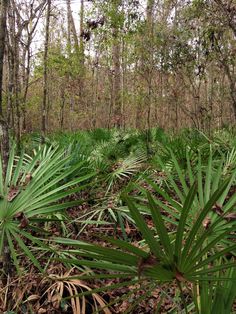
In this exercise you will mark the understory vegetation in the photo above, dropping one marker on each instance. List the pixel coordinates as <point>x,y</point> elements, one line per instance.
<point>117,156</point>
<point>119,221</point>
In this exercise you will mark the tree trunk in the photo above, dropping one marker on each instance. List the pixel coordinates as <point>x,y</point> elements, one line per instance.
<point>81,56</point>
<point>45,73</point>
<point>17,88</point>
<point>4,137</point>
<point>232,86</point>
<point>62,107</point>
<point>71,27</point>
<point>81,32</point>
<point>116,80</point>
<point>26,84</point>
<point>148,68</point>
<point>116,56</point>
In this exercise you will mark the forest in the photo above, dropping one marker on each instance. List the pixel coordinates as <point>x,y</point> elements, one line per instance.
<point>118,156</point>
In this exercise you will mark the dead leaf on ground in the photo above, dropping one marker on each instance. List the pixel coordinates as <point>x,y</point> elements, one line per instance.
<point>12,194</point>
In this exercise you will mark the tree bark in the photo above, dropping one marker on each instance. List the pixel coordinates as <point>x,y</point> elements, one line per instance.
<point>81,56</point>
<point>116,57</point>
<point>146,66</point>
<point>148,69</point>
<point>81,31</point>
<point>4,136</point>
<point>45,72</point>
<point>62,107</point>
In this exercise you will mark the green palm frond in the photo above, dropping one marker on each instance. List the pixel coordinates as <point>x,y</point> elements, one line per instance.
<point>183,256</point>
<point>210,176</point>
<point>34,191</point>
<point>125,168</point>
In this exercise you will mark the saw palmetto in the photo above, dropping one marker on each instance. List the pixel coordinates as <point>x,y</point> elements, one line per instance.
<point>29,193</point>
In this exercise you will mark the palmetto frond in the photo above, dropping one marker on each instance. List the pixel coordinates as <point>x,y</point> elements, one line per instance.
<point>184,256</point>
<point>32,188</point>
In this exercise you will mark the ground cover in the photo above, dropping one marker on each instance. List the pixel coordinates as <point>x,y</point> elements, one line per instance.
<point>110,221</point>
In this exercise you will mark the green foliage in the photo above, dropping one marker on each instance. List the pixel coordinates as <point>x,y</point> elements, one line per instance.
<point>218,298</point>
<point>164,258</point>
<point>31,192</point>
<point>179,199</point>
<point>60,64</point>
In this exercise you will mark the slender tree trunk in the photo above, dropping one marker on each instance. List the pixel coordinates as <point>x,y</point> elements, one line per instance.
<point>10,94</point>
<point>81,56</point>
<point>146,67</point>
<point>123,72</point>
<point>123,87</point>
<point>71,27</point>
<point>17,90</point>
<point>45,72</point>
<point>116,81</point>
<point>81,38</point>
<point>26,86</point>
<point>68,29</point>
<point>62,107</point>
<point>4,137</point>
<point>95,92</point>
<point>232,86</point>
<point>116,56</point>
<point>149,68</point>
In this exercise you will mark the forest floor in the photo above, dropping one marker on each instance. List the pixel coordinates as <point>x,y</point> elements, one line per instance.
<point>112,164</point>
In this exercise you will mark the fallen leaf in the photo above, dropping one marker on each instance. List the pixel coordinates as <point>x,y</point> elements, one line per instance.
<point>33,297</point>
<point>13,192</point>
